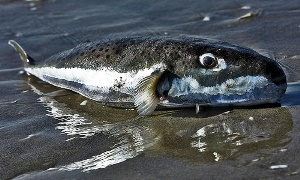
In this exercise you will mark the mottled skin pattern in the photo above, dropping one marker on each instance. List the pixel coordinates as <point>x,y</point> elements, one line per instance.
<point>182,70</point>
<point>181,55</point>
<point>123,55</point>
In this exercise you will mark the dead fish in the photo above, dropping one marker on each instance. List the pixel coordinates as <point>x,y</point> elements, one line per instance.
<point>171,71</point>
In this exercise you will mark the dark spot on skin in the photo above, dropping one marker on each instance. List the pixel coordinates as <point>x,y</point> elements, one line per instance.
<point>107,56</point>
<point>101,49</point>
<point>98,55</point>
<point>81,54</point>
<point>90,48</point>
<point>117,51</point>
<point>171,67</point>
<point>165,93</point>
<point>93,50</point>
<point>113,48</point>
<point>106,50</point>
<point>118,84</point>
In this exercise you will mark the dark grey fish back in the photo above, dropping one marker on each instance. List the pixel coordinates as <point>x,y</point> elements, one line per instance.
<point>123,54</point>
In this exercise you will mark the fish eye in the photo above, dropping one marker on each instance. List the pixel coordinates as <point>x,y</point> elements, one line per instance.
<point>208,60</point>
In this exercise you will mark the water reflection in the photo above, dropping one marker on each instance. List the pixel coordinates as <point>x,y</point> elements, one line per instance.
<point>247,134</point>
<point>131,140</point>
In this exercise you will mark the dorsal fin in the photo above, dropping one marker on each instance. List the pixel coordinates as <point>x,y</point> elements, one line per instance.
<point>146,97</point>
<point>26,59</point>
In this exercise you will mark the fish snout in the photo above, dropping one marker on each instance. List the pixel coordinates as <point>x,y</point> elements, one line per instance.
<point>277,75</point>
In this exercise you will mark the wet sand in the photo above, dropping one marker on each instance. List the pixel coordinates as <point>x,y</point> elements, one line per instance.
<point>46,133</point>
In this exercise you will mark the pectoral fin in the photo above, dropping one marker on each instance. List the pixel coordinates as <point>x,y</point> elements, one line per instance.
<point>146,97</point>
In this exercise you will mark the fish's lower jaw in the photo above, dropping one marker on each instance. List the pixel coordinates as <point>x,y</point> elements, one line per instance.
<point>220,103</point>
<point>255,102</point>
<point>267,94</point>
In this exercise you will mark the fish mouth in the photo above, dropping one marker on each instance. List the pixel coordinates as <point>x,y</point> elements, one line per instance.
<point>280,80</point>
<point>277,74</point>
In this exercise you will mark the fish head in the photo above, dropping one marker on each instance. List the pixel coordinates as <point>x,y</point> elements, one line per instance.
<point>222,74</point>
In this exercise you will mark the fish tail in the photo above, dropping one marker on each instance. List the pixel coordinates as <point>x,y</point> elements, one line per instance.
<point>26,59</point>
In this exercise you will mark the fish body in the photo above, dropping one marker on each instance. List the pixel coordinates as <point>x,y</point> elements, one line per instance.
<point>172,71</point>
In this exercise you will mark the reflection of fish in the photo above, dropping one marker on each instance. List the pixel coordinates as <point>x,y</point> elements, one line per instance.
<point>170,71</point>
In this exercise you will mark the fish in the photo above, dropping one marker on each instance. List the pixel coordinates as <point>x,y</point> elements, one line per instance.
<point>166,71</point>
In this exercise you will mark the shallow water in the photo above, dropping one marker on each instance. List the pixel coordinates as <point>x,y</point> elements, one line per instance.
<point>47,132</point>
